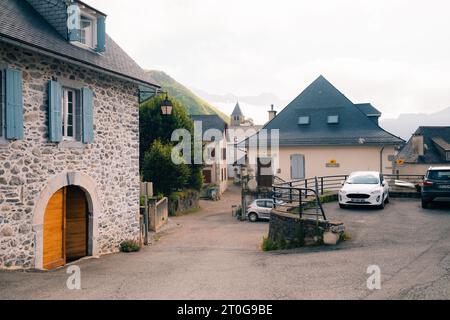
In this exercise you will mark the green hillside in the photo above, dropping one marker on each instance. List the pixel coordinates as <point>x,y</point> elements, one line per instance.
<point>194,104</point>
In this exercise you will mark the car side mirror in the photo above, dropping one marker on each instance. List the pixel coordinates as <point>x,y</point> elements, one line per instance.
<point>342,183</point>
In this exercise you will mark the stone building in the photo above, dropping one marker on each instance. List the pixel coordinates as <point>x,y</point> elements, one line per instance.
<point>69,138</point>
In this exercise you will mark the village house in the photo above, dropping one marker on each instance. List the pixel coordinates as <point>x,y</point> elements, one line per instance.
<point>69,138</point>
<point>322,133</point>
<point>214,137</point>
<point>428,147</point>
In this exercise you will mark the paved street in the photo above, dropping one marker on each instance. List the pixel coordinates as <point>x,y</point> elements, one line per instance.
<point>210,255</point>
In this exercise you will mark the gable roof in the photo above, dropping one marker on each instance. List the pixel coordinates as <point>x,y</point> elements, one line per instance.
<point>212,121</point>
<point>22,25</point>
<point>237,110</point>
<point>319,101</point>
<point>433,139</point>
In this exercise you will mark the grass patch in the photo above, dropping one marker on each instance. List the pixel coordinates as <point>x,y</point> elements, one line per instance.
<point>185,213</point>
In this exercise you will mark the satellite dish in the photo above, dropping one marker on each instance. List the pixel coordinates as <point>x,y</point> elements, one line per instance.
<point>252,185</point>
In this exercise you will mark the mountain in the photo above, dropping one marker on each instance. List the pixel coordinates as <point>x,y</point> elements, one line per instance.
<point>406,124</point>
<point>263,99</point>
<point>194,104</point>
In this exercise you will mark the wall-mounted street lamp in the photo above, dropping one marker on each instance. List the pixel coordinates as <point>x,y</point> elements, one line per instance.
<point>146,93</point>
<point>166,106</point>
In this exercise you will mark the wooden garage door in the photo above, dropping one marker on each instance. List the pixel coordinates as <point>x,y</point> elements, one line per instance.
<point>76,224</point>
<point>54,255</point>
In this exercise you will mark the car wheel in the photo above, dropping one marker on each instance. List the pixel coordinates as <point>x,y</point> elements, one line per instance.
<point>253,217</point>
<point>382,205</point>
<point>425,203</point>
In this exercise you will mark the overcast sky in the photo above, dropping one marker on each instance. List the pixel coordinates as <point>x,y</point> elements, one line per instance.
<point>393,53</point>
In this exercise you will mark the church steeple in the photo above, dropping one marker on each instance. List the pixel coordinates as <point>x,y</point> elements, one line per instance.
<point>237,117</point>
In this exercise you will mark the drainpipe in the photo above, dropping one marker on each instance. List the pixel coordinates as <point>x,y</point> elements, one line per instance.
<point>381,159</point>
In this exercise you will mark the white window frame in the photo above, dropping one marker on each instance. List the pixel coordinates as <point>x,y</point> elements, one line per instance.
<point>65,114</point>
<point>86,16</point>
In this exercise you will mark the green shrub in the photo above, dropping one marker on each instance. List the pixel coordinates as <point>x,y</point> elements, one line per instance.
<point>130,246</point>
<point>269,245</point>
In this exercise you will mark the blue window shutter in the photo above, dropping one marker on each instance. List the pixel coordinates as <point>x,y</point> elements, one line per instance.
<point>298,166</point>
<point>101,34</point>
<point>14,104</point>
<point>88,115</point>
<point>54,111</point>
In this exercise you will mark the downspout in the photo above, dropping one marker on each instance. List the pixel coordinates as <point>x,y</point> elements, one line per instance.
<point>381,159</point>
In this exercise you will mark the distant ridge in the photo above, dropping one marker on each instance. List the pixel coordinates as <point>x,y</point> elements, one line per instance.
<point>406,124</point>
<point>194,104</point>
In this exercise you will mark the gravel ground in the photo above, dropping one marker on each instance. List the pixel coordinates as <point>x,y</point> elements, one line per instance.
<point>210,255</point>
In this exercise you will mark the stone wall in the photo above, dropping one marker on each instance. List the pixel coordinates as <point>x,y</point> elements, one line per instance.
<point>27,166</point>
<point>290,228</point>
<point>180,202</point>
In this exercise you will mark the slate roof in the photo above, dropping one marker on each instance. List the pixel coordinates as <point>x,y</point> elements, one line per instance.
<point>210,122</point>
<point>432,138</point>
<point>318,101</point>
<point>368,109</point>
<point>22,24</point>
<point>237,111</point>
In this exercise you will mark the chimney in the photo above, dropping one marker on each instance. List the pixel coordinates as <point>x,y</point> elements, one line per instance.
<point>272,113</point>
<point>418,145</point>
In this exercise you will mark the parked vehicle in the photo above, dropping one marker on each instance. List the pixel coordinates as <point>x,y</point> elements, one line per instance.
<point>366,188</point>
<point>435,185</point>
<point>260,209</point>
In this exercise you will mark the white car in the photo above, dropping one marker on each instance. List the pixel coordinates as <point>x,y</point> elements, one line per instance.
<point>260,209</point>
<point>366,188</point>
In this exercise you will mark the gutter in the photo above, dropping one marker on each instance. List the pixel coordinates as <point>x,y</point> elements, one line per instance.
<point>381,158</point>
<point>74,61</point>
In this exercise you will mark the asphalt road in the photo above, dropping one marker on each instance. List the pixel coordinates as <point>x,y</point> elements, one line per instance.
<point>213,256</point>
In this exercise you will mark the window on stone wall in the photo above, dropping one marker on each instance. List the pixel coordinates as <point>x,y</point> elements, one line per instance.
<point>71,115</point>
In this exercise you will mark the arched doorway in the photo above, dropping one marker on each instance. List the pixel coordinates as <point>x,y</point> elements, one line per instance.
<point>66,227</point>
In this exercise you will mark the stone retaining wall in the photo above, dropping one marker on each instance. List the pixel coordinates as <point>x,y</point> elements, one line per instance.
<point>304,232</point>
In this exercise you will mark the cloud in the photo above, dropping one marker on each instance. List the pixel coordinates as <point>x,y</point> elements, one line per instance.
<point>393,53</point>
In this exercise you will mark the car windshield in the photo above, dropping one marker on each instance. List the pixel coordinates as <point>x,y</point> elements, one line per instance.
<point>443,175</point>
<point>363,179</point>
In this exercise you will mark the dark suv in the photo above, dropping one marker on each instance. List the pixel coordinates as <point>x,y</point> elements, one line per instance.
<point>436,185</point>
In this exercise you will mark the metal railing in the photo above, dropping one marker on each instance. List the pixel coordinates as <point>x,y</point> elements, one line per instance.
<point>303,197</point>
<point>298,199</point>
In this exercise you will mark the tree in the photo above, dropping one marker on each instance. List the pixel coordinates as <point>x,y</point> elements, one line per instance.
<point>159,168</point>
<point>156,148</point>
<point>155,126</point>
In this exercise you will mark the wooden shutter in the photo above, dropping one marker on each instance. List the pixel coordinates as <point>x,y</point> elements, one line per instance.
<point>14,104</point>
<point>101,34</point>
<point>54,111</point>
<point>297,166</point>
<point>88,115</point>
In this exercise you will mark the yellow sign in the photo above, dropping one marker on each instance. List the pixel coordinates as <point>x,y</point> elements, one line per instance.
<point>400,162</point>
<point>333,161</point>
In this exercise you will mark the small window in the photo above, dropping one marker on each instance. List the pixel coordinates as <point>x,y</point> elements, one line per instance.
<point>333,119</point>
<point>69,114</point>
<point>304,120</point>
<point>87,35</point>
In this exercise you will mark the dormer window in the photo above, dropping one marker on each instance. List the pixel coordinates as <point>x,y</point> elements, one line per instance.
<point>87,31</point>
<point>334,119</point>
<point>304,120</point>
<point>86,27</point>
